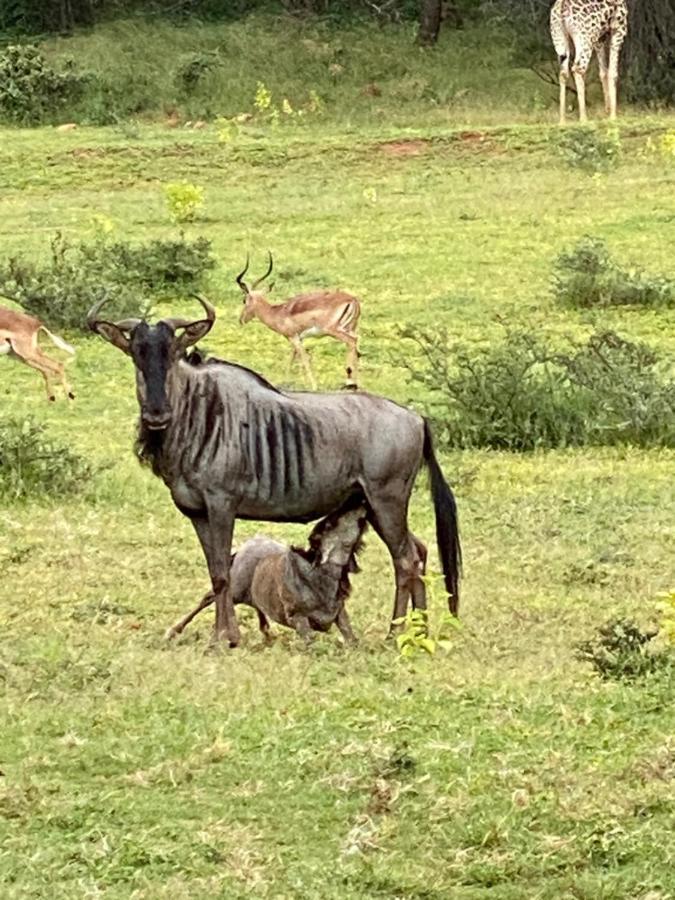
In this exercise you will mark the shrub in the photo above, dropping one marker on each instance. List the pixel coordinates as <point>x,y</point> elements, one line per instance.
<point>62,291</point>
<point>184,201</point>
<point>34,465</point>
<point>587,276</point>
<point>31,91</point>
<point>619,651</point>
<point>521,394</point>
<point>588,148</point>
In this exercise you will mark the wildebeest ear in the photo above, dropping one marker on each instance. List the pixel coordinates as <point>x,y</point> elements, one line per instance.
<point>113,334</point>
<point>192,333</point>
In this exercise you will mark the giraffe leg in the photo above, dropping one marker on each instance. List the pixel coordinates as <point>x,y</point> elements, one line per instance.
<point>613,75</point>
<point>582,57</point>
<point>601,51</point>
<point>563,47</point>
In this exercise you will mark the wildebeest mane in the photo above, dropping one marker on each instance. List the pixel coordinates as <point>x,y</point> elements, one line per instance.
<point>198,359</point>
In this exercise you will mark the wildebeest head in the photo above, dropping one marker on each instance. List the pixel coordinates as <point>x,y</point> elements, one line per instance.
<point>155,350</point>
<point>251,296</point>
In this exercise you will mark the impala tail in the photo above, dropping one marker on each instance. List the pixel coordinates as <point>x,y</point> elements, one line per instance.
<point>447,532</point>
<point>60,343</point>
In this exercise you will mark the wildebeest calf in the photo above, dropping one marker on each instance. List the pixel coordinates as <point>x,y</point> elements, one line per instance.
<point>302,589</point>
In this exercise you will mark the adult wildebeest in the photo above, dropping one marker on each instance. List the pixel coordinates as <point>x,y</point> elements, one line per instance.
<point>303,589</point>
<point>229,445</point>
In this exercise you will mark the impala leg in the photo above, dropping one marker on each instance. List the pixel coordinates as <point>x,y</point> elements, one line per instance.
<point>352,343</point>
<point>179,627</point>
<point>215,536</point>
<point>306,362</point>
<point>45,371</point>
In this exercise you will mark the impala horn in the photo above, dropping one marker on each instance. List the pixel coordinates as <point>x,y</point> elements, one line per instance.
<point>242,284</point>
<point>268,272</point>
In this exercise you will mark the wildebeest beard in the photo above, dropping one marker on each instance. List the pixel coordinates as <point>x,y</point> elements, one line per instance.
<point>148,446</point>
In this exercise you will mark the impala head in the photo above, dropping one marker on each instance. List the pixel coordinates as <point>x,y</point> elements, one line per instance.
<point>155,350</point>
<point>251,296</point>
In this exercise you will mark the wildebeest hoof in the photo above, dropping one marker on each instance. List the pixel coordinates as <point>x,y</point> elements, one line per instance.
<point>71,395</point>
<point>170,633</point>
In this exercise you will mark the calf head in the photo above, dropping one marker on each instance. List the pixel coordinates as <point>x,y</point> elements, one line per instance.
<point>155,350</point>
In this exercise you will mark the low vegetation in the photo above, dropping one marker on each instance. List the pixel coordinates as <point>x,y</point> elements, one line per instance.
<point>130,274</point>
<point>621,650</point>
<point>586,276</point>
<point>525,393</point>
<point>35,464</point>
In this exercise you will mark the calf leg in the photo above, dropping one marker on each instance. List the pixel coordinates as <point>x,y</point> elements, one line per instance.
<point>418,589</point>
<point>345,627</point>
<point>301,625</point>
<point>179,627</point>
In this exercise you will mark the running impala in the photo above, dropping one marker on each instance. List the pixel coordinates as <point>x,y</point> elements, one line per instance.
<point>19,338</point>
<point>315,314</point>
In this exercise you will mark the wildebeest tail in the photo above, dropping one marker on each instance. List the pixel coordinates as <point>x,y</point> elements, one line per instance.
<point>447,531</point>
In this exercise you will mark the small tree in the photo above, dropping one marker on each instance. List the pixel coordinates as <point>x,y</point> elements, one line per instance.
<point>430,22</point>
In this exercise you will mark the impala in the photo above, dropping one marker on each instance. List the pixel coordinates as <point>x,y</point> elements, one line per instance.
<point>19,338</point>
<point>316,314</point>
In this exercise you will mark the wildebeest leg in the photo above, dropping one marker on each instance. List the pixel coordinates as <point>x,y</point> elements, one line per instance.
<point>389,515</point>
<point>215,536</point>
<point>345,627</point>
<point>178,628</point>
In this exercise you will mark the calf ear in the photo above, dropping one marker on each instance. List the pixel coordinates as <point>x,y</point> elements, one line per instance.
<point>113,334</point>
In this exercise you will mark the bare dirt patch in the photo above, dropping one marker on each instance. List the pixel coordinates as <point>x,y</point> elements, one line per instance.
<point>405,148</point>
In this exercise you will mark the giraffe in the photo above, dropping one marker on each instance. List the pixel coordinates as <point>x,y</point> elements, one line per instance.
<point>587,26</point>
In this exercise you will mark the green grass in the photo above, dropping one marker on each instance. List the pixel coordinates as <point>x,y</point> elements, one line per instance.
<point>500,769</point>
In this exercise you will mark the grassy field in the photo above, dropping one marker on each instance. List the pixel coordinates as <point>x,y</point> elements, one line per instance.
<point>502,767</point>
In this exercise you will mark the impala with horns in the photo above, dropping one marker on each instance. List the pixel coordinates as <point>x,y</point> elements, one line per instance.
<point>19,339</point>
<point>229,445</point>
<point>316,314</point>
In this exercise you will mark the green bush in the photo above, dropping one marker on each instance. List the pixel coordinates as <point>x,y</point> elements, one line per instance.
<point>588,148</point>
<point>619,651</point>
<point>62,291</point>
<point>31,91</point>
<point>34,465</point>
<point>522,394</point>
<point>587,276</point>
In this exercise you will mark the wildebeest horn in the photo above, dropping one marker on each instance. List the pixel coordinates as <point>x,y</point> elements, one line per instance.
<point>268,272</point>
<point>93,320</point>
<point>185,323</point>
<point>242,284</point>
